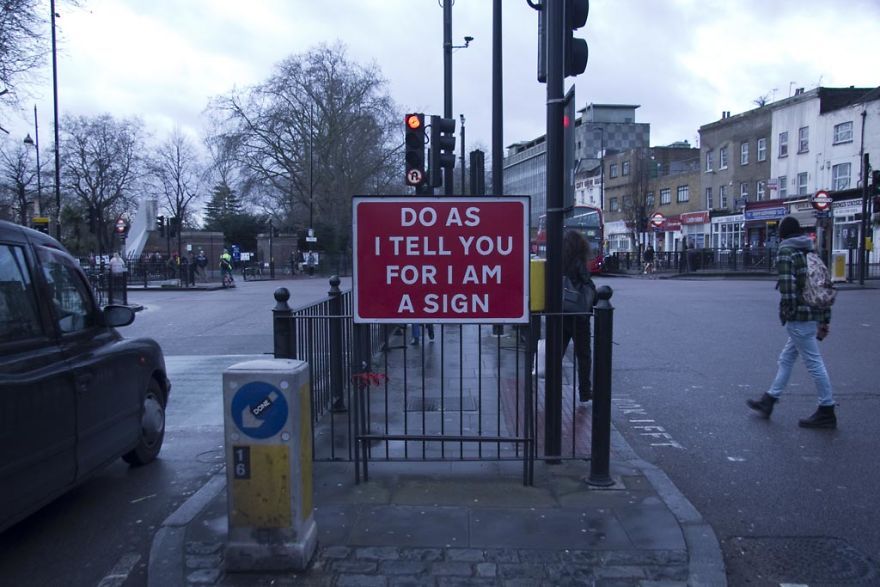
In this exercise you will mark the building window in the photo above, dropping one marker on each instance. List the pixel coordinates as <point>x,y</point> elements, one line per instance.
<point>649,200</point>
<point>843,132</point>
<point>759,191</point>
<point>783,144</point>
<point>682,194</point>
<point>722,196</point>
<point>708,198</point>
<point>614,205</point>
<point>665,196</point>
<point>783,186</point>
<point>802,184</point>
<point>614,170</point>
<point>744,154</point>
<point>803,139</point>
<point>722,158</point>
<point>762,149</point>
<point>625,168</point>
<point>708,160</point>
<point>744,191</point>
<point>840,176</point>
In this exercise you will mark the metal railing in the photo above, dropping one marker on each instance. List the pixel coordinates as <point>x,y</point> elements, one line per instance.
<point>459,392</point>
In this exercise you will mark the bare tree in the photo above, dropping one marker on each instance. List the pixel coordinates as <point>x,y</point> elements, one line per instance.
<point>21,43</point>
<point>102,163</point>
<point>17,173</point>
<point>637,206</point>
<point>762,101</point>
<point>178,172</point>
<point>320,130</point>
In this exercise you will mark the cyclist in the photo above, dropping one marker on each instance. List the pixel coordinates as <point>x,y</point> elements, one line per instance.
<point>649,260</point>
<point>226,268</point>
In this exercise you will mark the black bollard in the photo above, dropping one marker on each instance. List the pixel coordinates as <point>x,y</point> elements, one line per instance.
<point>335,317</point>
<point>283,329</point>
<point>603,314</point>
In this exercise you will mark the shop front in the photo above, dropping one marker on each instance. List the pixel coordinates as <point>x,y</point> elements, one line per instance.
<point>696,228</point>
<point>727,231</point>
<point>761,222</point>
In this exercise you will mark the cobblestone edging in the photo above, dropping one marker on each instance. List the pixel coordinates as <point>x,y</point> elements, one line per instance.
<point>398,567</point>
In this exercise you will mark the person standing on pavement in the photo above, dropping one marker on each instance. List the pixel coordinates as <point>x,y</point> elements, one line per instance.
<point>202,264</point>
<point>575,254</point>
<point>806,326</point>
<point>117,278</point>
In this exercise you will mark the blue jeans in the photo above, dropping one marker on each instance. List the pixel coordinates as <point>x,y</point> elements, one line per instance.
<point>417,331</point>
<point>802,340</point>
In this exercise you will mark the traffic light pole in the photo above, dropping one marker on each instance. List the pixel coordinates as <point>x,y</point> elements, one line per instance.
<point>554,18</point>
<point>447,84</point>
<point>863,253</point>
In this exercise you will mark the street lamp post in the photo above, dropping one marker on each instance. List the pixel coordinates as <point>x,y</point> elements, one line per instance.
<point>36,143</point>
<point>55,100</point>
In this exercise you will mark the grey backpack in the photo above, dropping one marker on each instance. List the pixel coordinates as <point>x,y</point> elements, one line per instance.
<point>818,291</point>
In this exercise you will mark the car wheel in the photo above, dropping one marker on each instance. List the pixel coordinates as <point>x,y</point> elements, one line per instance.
<point>152,428</point>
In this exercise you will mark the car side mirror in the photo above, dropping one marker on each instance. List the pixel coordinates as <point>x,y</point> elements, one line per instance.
<point>116,316</point>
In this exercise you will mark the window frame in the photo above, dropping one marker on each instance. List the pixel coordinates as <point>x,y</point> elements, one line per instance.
<point>782,186</point>
<point>783,144</point>
<point>722,158</point>
<point>836,177</point>
<point>836,140</point>
<point>80,285</point>
<point>682,189</point>
<point>804,139</point>
<point>803,180</point>
<point>612,170</point>
<point>744,190</point>
<point>665,196</point>
<point>707,194</point>
<point>41,335</point>
<point>744,153</point>
<point>624,168</point>
<point>722,197</point>
<point>760,188</point>
<point>709,162</point>
<point>762,149</point>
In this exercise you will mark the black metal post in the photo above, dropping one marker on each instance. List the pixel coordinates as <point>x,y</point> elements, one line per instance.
<point>335,308</point>
<point>361,357</point>
<point>863,232</point>
<point>283,328</point>
<point>463,179</point>
<point>57,141</point>
<point>554,208</point>
<point>600,447</point>
<point>447,85</point>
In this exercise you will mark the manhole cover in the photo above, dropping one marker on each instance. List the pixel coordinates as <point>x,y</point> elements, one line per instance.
<point>433,404</point>
<point>816,560</point>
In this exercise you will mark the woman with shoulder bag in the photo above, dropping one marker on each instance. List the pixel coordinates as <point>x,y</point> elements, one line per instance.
<point>575,252</point>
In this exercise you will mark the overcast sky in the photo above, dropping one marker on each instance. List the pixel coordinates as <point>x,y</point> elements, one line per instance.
<point>682,61</point>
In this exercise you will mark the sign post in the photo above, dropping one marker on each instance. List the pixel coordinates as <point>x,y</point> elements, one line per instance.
<point>821,202</point>
<point>441,260</point>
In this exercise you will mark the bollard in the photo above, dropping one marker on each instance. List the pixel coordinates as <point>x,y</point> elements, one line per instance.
<point>335,317</point>
<point>283,326</point>
<point>600,446</point>
<point>267,425</point>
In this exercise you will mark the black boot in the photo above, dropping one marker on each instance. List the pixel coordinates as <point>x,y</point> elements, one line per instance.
<point>822,418</point>
<point>763,405</point>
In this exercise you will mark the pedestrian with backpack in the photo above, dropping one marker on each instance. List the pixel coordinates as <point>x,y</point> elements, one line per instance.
<point>805,302</point>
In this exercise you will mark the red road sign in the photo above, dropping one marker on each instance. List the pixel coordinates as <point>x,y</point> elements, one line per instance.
<point>821,201</point>
<point>452,260</point>
<point>657,220</point>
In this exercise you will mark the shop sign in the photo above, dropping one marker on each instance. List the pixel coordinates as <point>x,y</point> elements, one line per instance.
<point>695,217</point>
<point>765,213</point>
<point>847,207</point>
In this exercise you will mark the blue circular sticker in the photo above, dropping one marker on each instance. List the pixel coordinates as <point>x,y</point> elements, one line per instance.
<point>259,409</point>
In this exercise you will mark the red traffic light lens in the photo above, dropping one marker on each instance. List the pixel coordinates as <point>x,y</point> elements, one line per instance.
<point>413,121</point>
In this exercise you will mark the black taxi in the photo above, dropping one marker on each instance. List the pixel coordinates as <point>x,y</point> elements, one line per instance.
<point>74,394</point>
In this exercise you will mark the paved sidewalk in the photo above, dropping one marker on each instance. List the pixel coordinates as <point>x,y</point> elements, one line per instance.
<point>468,524</point>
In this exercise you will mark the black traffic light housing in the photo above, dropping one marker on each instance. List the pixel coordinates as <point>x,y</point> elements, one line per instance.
<point>575,52</point>
<point>875,182</point>
<point>414,144</point>
<point>173,226</point>
<point>160,225</point>
<point>442,147</point>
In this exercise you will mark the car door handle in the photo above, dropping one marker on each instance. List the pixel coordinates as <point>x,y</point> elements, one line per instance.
<point>83,381</point>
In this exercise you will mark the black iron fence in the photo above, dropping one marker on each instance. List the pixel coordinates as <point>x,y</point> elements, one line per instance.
<point>749,260</point>
<point>452,392</point>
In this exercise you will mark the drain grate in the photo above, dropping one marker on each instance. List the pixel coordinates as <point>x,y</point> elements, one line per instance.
<point>817,560</point>
<point>449,404</point>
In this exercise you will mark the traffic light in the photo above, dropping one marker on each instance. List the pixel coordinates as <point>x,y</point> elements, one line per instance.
<point>160,225</point>
<point>875,182</point>
<point>173,226</point>
<point>414,143</point>
<point>442,147</point>
<point>93,220</point>
<point>575,52</point>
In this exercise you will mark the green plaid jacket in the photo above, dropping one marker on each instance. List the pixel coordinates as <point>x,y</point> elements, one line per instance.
<point>792,266</point>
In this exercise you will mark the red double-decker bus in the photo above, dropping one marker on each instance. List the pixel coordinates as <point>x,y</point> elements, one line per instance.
<point>589,222</point>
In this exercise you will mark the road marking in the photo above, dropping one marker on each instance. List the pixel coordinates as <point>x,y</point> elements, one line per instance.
<point>118,575</point>
<point>655,434</point>
<point>736,459</point>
